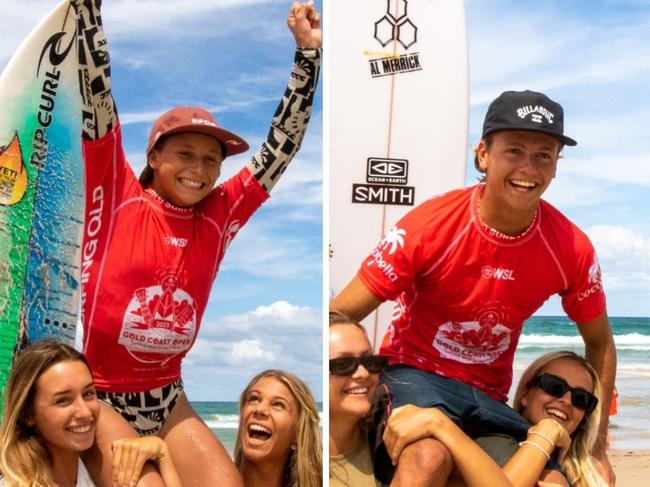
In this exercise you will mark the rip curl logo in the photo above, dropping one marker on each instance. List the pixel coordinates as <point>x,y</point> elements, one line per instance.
<point>480,341</point>
<point>203,121</point>
<point>159,322</point>
<point>537,113</point>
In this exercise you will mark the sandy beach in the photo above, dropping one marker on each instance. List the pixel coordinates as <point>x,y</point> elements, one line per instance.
<point>632,467</point>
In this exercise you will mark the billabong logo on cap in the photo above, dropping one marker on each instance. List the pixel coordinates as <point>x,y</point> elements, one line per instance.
<point>537,113</point>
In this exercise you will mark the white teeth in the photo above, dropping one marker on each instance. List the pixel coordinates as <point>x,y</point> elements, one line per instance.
<point>80,429</point>
<point>357,390</point>
<point>190,183</point>
<point>258,427</point>
<point>526,184</point>
<point>557,413</point>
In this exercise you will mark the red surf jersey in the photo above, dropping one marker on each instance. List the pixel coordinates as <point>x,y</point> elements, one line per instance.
<point>148,267</point>
<point>462,293</point>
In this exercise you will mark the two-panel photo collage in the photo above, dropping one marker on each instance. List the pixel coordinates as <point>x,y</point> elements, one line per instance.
<point>362,243</point>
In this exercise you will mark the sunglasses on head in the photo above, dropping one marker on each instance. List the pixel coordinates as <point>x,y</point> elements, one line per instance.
<point>557,387</point>
<point>349,365</point>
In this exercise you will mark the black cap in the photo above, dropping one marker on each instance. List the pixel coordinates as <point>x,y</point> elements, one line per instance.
<point>526,110</point>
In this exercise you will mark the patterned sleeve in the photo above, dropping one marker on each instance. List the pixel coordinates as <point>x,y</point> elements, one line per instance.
<point>99,115</point>
<point>584,299</point>
<point>290,120</point>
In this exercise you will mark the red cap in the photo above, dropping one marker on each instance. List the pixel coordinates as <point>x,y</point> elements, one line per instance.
<point>194,119</point>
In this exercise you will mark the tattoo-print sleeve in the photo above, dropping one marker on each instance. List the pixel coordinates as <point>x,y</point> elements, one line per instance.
<point>99,114</point>
<point>290,120</point>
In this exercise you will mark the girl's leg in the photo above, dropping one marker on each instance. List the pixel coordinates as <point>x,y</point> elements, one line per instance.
<point>199,457</point>
<point>111,426</point>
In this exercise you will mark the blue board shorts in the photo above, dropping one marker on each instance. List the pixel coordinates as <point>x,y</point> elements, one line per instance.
<point>476,413</point>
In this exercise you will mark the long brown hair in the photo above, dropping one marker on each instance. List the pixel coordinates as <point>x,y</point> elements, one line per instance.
<point>24,460</point>
<point>304,467</point>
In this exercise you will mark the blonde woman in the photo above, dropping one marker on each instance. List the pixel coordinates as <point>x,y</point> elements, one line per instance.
<point>558,393</point>
<point>50,418</point>
<point>278,443</point>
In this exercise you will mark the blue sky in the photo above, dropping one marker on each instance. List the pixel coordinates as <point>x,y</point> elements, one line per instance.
<point>232,57</point>
<point>592,57</point>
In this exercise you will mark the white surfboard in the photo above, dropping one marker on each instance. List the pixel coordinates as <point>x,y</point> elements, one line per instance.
<point>398,122</point>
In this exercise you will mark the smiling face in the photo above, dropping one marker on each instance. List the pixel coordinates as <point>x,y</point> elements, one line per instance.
<point>65,408</point>
<point>519,165</point>
<point>350,396</point>
<point>539,405</point>
<point>268,422</point>
<point>185,167</point>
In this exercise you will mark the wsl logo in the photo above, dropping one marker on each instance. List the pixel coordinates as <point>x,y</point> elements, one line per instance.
<point>395,28</point>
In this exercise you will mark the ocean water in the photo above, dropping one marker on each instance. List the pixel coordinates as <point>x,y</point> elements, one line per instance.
<point>222,417</point>
<point>630,428</point>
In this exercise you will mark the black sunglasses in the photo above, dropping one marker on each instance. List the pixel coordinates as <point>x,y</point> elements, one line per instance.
<point>349,365</point>
<point>557,387</point>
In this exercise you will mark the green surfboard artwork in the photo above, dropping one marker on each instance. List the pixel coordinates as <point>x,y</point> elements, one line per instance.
<point>41,188</point>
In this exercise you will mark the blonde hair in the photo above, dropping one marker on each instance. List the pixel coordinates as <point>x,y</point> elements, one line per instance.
<point>24,460</point>
<point>304,466</point>
<point>579,465</point>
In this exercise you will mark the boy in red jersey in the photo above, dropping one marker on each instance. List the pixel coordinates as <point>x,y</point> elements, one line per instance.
<point>152,247</point>
<point>467,269</point>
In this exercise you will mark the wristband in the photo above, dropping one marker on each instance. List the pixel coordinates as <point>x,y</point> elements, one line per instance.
<point>543,436</point>
<point>546,454</point>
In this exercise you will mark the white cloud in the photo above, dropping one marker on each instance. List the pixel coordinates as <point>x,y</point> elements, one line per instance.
<point>621,249</point>
<point>278,335</point>
<point>250,349</point>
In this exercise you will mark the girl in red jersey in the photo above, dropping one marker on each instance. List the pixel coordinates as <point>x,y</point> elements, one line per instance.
<point>153,245</point>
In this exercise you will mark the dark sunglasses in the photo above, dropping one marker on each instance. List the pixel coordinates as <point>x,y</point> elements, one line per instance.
<point>557,387</point>
<point>349,365</point>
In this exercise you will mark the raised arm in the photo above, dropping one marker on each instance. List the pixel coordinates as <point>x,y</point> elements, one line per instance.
<point>99,114</point>
<point>292,115</point>
<point>600,351</point>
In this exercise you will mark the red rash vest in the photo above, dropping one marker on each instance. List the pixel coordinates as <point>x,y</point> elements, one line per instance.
<point>463,293</point>
<point>148,267</point>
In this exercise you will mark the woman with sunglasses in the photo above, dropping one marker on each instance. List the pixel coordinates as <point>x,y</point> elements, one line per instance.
<point>558,393</point>
<point>354,375</point>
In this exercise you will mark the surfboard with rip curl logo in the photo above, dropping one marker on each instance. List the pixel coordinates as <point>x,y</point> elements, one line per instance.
<point>41,188</point>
